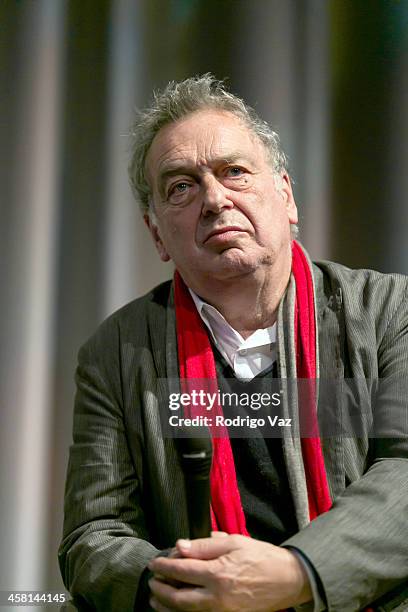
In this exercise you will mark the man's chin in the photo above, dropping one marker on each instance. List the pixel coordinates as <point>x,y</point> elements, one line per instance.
<point>230,264</point>
<point>233,262</point>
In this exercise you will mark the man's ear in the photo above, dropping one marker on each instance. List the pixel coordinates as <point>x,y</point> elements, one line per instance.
<point>154,230</point>
<point>284,186</point>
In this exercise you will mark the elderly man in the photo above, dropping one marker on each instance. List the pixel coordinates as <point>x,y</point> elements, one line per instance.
<point>327,516</point>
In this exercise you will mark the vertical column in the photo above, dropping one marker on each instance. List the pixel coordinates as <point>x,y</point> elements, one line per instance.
<point>28,295</point>
<point>132,265</point>
<point>283,65</point>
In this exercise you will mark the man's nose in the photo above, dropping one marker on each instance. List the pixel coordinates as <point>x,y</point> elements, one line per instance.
<point>214,196</point>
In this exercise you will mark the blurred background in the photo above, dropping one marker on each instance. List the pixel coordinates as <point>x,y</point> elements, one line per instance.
<point>331,76</point>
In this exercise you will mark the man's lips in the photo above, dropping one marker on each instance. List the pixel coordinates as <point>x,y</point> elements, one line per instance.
<point>223,233</point>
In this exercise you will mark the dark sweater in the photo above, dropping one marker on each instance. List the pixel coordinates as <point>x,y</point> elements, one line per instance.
<point>259,463</point>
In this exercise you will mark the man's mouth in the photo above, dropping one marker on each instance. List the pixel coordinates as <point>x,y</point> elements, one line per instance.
<point>223,233</point>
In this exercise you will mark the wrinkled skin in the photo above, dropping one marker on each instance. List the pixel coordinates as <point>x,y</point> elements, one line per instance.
<point>228,573</point>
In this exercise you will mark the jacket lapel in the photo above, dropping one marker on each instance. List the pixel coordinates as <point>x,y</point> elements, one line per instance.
<point>169,475</point>
<point>331,333</point>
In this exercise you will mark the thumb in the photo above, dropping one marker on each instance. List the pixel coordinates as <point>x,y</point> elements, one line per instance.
<point>218,534</point>
<point>208,548</point>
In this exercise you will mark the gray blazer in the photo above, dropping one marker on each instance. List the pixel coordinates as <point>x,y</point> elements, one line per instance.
<point>125,492</point>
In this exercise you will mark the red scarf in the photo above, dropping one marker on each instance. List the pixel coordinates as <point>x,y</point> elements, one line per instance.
<point>196,361</point>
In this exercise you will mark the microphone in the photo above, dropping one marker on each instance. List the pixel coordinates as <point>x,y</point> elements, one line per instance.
<point>196,456</point>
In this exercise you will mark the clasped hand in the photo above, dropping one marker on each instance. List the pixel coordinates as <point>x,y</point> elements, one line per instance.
<point>227,573</point>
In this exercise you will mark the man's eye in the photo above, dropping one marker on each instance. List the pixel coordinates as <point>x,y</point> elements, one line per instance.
<point>179,188</point>
<point>234,171</point>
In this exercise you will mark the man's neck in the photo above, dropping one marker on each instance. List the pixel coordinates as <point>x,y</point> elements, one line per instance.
<point>248,303</point>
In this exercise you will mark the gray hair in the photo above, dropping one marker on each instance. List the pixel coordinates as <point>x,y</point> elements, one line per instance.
<point>180,99</point>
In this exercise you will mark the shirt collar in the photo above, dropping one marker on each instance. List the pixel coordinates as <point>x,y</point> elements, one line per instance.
<point>222,331</point>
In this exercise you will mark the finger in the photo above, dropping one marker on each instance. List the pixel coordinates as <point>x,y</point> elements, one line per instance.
<point>195,598</point>
<point>218,534</point>
<point>176,583</point>
<point>156,605</point>
<point>191,571</point>
<point>209,548</point>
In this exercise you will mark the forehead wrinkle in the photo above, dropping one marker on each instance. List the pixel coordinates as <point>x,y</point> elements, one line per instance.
<point>188,155</point>
<point>181,166</point>
<point>209,144</point>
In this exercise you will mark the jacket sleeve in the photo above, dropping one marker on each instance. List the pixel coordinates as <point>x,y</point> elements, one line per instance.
<point>104,549</point>
<point>359,548</point>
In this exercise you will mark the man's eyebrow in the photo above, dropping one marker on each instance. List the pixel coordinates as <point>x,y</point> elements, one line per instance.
<point>171,169</point>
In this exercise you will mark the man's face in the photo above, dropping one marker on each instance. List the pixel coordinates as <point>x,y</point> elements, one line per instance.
<point>220,211</point>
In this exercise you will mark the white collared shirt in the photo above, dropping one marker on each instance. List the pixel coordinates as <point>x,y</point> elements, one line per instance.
<point>246,357</point>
